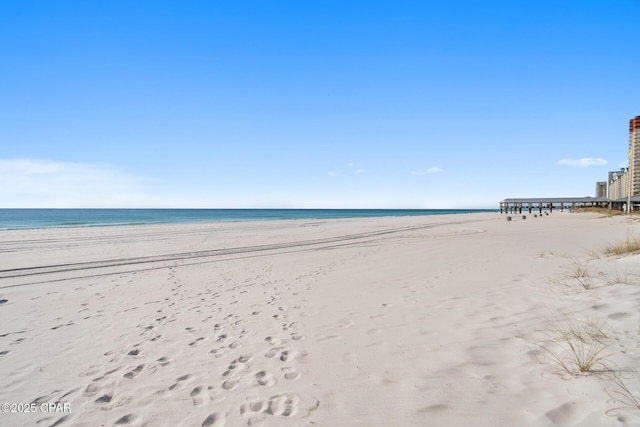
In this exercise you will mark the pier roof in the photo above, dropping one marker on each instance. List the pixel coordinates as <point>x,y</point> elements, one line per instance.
<point>634,199</point>
<point>557,200</point>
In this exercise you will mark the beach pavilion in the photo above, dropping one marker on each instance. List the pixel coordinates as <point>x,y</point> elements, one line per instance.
<point>515,205</point>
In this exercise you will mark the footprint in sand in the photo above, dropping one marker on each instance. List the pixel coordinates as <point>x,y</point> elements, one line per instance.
<point>284,405</point>
<point>230,384</point>
<point>273,340</point>
<point>291,355</point>
<point>61,326</point>
<point>106,375</point>
<point>290,373</point>
<point>181,382</point>
<point>230,370</point>
<point>284,354</point>
<point>90,390</point>
<point>127,419</point>
<point>273,352</point>
<point>215,420</point>
<point>134,373</point>
<point>197,342</point>
<point>104,399</point>
<point>254,405</point>
<point>265,378</point>
<point>245,358</point>
<point>164,361</point>
<point>293,325</point>
<point>218,352</point>
<point>200,395</point>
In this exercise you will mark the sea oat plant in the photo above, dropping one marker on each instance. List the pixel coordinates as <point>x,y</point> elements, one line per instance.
<point>623,396</point>
<point>628,247</point>
<point>617,278</point>
<point>582,274</point>
<point>578,348</point>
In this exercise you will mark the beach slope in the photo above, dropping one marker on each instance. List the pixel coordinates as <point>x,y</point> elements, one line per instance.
<point>451,320</point>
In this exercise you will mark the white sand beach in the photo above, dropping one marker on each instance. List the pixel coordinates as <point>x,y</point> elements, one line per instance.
<point>452,320</point>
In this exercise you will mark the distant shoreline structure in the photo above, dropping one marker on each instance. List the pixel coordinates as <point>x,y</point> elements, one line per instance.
<point>625,183</point>
<point>34,218</point>
<point>512,205</point>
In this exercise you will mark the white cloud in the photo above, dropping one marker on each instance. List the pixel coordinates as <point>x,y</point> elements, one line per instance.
<point>431,170</point>
<point>333,173</point>
<point>359,171</point>
<point>582,163</point>
<point>46,183</point>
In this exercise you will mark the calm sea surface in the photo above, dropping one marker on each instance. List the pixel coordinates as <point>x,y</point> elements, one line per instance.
<point>52,218</point>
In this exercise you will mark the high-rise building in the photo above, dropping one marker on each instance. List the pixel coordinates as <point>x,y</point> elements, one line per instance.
<point>601,189</point>
<point>618,184</point>
<point>634,154</point>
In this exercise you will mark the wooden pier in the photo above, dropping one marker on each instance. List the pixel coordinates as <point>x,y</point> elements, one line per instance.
<point>550,203</point>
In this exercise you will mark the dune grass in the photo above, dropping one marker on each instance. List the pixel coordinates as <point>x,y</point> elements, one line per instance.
<point>622,396</point>
<point>581,274</point>
<point>577,357</point>
<point>605,212</point>
<point>586,347</point>
<point>578,347</point>
<point>628,247</point>
<point>617,278</point>
<point>591,329</point>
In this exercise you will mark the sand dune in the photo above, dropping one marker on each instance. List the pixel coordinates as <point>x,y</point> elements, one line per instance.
<point>417,321</point>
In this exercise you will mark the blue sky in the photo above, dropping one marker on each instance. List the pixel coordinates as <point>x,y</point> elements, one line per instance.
<point>352,104</point>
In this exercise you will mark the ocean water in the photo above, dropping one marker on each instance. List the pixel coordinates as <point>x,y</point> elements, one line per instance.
<point>11,219</point>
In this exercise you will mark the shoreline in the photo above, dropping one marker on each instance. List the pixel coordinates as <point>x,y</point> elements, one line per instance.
<point>241,215</point>
<point>138,236</point>
<point>431,320</point>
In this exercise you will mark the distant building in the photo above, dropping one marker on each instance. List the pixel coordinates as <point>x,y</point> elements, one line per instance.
<point>634,154</point>
<point>601,189</point>
<point>618,184</point>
